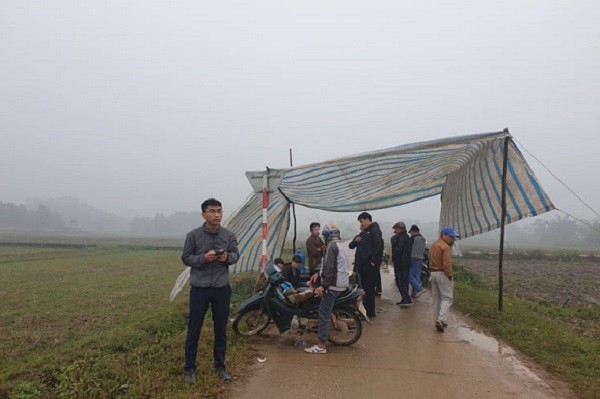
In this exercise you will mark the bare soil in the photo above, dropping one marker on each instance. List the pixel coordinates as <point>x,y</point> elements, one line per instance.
<point>568,282</point>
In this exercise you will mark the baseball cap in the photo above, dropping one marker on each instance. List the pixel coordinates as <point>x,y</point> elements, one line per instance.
<point>414,227</point>
<point>399,225</point>
<point>449,231</point>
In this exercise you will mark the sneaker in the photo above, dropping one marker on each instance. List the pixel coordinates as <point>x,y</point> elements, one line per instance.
<point>189,376</point>
<point>439,325</point>
<point>405,304</point>
<point>222,373</point>
<point>418,294</point>
<point>315,349</point>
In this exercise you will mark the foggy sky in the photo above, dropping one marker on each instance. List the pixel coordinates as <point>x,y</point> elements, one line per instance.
<point>144,107</point>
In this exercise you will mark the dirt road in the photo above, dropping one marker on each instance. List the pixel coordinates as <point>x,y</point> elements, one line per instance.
<point>399,355</point>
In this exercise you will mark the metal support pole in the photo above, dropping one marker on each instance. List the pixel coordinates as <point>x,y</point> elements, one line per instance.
<point>293,212</point>
<point>502,223</point>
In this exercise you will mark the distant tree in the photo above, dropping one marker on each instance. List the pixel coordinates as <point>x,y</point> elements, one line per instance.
<point>161,225</point>
<point>13,215</point>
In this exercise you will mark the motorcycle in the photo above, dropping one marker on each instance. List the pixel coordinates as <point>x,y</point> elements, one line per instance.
<point>270,304</point>
<point>425,272</point>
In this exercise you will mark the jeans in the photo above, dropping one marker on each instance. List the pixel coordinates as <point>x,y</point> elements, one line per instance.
<point>200,298</point>
<point>325,310</point>
<point>414,276</point>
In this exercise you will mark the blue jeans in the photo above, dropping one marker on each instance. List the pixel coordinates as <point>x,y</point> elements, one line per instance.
<point>200,298</point>
<point>414,276</point>
<point>325,310</point>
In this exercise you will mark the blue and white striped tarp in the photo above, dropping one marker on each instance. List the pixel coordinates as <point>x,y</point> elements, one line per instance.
<point>466,170</point>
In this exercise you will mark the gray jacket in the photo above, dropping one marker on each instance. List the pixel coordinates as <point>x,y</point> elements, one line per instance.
<point>197,243</point>
<point>418,246</point>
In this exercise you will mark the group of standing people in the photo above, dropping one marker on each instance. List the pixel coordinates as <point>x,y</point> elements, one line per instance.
<point>210,249</point>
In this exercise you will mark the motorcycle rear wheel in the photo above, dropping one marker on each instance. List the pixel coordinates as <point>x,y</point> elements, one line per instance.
<point>345,327</point>
<point>251,322</point>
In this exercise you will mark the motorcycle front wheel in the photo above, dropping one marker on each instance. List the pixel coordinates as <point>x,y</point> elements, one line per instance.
<point>345,327</point>
<point>251,322</point>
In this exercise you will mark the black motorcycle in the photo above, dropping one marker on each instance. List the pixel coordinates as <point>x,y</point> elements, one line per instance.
<point>271,304</point>
<point>425,271</point>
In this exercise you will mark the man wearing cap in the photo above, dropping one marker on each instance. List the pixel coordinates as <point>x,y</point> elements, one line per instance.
<point>418,244</point>
<point>401,252</point>
<point>442,286</point>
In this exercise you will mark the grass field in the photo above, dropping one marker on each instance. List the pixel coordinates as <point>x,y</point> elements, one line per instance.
<point>97,323</point>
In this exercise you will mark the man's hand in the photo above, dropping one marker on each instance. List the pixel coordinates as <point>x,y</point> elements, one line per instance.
<point>319,291</point>
<point>357,238</point>
<point>212,255</point>
<point>313,279</point>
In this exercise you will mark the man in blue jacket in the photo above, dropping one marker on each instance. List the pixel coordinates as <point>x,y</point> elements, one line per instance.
<point>208,251</point>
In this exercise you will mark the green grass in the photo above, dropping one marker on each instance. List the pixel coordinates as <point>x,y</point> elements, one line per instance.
<point>543,332</point>
<point>97,323</point>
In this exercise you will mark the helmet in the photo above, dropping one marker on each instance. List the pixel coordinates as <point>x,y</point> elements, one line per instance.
<point>331,232</point>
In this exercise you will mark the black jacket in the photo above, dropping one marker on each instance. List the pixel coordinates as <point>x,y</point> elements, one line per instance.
<point>291,275</point>
<point>401,250</point>
<point>370,247</point>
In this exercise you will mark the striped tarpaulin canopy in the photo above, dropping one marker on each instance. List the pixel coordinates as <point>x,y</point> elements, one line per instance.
<point>465,170</point>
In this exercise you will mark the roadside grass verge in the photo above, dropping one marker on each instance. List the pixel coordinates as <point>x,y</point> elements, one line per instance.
<point>542,331</point>
<point>97,323</point>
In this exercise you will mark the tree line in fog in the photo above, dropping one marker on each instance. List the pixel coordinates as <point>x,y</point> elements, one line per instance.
<point>69,216</point>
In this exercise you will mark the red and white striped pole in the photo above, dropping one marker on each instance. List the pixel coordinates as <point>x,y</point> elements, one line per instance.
<point>265,205</point>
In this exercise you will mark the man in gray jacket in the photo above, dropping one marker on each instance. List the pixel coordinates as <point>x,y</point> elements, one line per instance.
<point>208,251</point>
<point>418,245</point>
<point>333,280</point>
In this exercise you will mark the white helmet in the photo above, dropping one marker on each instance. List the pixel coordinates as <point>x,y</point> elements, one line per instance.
<point>331,232</point>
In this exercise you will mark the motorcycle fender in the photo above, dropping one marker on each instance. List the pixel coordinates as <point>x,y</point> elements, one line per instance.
<point>253,302</point>
<point>363,311</point>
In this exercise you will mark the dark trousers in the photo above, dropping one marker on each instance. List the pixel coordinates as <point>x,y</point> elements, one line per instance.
<point>219,300</point>
<point>378,279</point>
<point>402,272</point>
<point>368,279</point>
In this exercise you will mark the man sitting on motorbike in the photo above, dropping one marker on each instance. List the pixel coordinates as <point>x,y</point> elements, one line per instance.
<point>332,281</point>
<point>291,271</point>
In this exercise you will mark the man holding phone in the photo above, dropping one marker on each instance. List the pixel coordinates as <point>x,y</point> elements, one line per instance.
<point>208,251</point>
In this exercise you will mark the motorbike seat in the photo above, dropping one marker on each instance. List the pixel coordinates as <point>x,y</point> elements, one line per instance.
<point>348,292</point>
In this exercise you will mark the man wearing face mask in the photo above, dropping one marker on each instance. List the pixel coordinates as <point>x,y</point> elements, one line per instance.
<point>209,250</point>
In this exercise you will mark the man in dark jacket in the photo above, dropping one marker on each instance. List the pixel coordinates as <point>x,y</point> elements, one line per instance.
<point>369,251</point>
<point>291,271</point>
<point>208,251</point>
<point>401,253</point>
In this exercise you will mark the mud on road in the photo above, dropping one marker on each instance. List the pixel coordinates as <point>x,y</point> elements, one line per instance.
<point>399,355</point>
